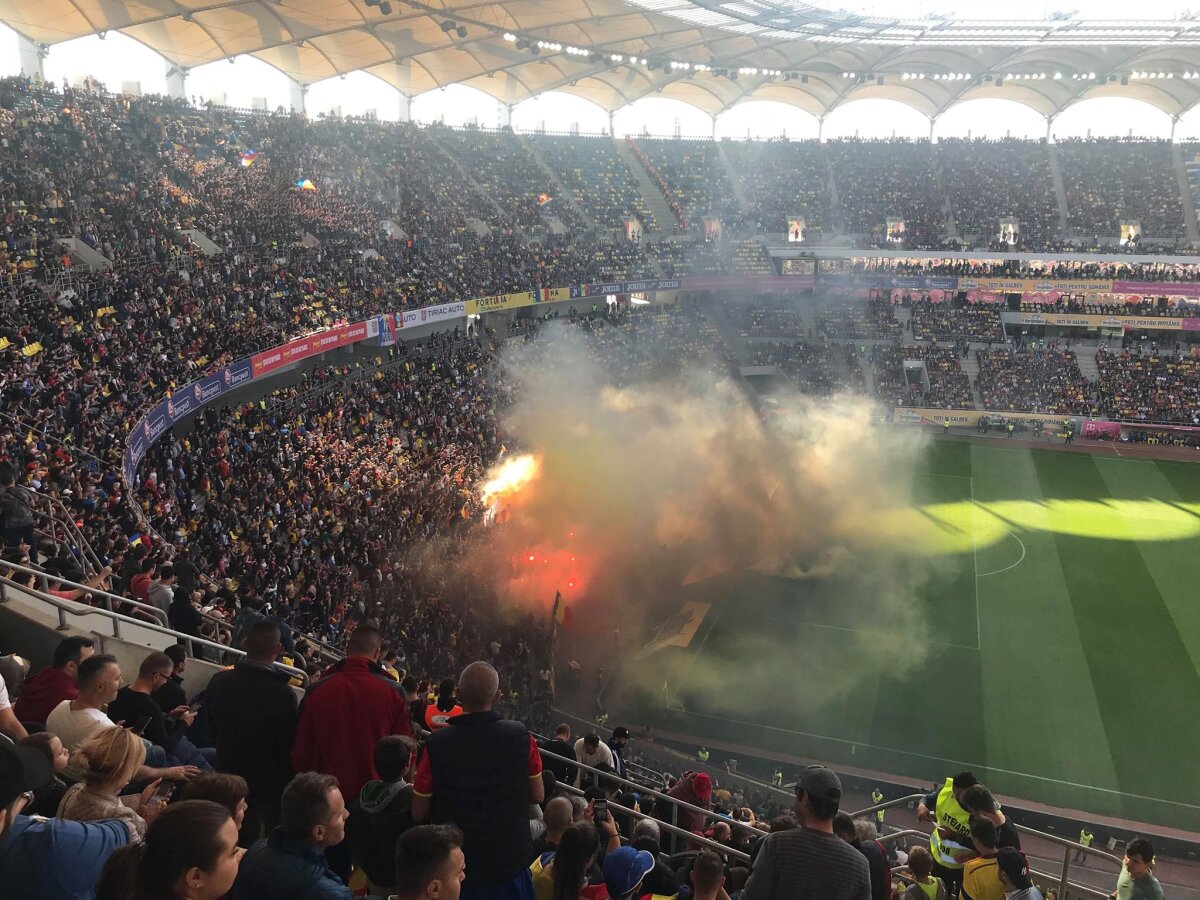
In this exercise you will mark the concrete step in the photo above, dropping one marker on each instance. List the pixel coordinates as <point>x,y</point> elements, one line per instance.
<point>561,191</point>
<point>83,254</point>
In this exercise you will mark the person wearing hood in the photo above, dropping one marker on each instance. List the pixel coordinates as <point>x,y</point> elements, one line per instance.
<point>694,788</point>
<point>382,812</point>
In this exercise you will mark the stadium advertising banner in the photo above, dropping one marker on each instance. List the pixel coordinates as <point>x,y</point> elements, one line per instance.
<point>500,302</point>
<point>1034,285</point>
<point>427,315</point>
<point>751,282</point>
<point>883,282</point>
<point>628,287</point>
<point>968,418</point>
<point>1157,289</point>
<point>1108,430</point>
<point>310,345</point>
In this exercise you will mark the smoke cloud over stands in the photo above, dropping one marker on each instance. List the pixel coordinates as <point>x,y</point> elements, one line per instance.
<point>641,490</point>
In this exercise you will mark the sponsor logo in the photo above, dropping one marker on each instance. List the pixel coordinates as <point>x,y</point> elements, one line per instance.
<point>170,408</point>
<point>228,376</point>
<point>236,376</point>
<point>205,392</point>
<point>198,392</point>
<point>146,427</point>
<point>424,314</point>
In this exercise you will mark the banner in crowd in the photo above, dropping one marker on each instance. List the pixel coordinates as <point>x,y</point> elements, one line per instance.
<point>678,630</point>
<point>499,302</point>
<point>427,315</point>
<point>1034,285</point>
<point>387,330</point>
<point>1091,320</point>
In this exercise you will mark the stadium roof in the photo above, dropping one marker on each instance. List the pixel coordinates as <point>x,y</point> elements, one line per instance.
<point>711,53</point>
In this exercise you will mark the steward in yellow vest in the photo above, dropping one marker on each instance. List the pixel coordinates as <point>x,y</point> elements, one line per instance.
<point>950,843</point>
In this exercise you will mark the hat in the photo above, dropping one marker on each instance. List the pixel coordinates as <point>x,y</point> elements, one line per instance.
<point>1014,865</point>
<point>621,732</point>
<point>820,782</point>
<point>21,769</point>
<point>702,786</point>
<point>624,870</point>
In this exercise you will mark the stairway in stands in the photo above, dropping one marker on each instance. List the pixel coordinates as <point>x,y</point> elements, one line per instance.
<point>568,197</point>
<point>735,182</point>
<point>1060,190</point>
<point>652,194</point>
<point>1187,170</point>
<point>970,365</point>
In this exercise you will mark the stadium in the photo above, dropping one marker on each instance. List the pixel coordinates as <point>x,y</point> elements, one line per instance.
<point>645,421</point>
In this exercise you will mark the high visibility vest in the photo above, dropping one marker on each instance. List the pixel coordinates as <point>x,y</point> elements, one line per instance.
<point>439,718</point>
<point>876,799</point>
<point>949,814</point>
<point>702,755</point>
<point>1086,837</point>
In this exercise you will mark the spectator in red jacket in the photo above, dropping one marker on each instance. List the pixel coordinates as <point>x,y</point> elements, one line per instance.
<point>55,683</point>
<point>694,788</point>
<point>346,712</point>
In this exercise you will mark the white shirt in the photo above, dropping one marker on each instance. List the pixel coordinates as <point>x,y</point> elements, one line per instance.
<point>602,756</point>
<point>74,726</point>
<point>5,703</point>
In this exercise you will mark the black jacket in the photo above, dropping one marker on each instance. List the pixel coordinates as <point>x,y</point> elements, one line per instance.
<point>563,772</point>
<point>378,816</point>
<point>252,713</point>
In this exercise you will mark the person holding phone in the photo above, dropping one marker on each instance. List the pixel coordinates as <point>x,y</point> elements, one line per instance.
<point>108,761</point>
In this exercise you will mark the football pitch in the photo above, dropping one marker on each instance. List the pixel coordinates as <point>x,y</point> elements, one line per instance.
<point>1054,652</point>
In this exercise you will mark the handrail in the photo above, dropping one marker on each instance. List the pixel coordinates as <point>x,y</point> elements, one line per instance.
<point>150,609</point>
<point>67,522</point>
<point>67,607</point>
<point>640,788</point>
<point>691,836</point>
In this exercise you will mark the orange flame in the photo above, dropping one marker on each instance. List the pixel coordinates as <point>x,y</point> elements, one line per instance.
<point>509,478</point>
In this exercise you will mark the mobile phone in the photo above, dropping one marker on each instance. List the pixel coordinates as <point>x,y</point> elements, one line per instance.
<point>141,724</point>
<point>164,790</point>
<point>600,811</point>
<point>195,706</point>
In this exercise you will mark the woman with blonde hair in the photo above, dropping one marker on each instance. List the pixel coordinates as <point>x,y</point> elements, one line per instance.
<point>107,762</point>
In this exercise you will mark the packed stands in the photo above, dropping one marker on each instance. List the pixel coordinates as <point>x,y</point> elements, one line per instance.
<point>1109,180</point>
<point>878,180</point>
<point>871,318</point>
<point>1150,387</point>
<point>943,321</point>
<point>750,258</point>
<point>772,316</point>
<point>592,170</point>
<point>949,385</point>
<point>818,370</point>
<point>1043,380</point>
<point>989,180</point>
<point>782,179</point>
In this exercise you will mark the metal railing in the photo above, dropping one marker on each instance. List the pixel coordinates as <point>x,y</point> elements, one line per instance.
<point>671,827</point>
<point>69,608</point>
<point>108,599</point>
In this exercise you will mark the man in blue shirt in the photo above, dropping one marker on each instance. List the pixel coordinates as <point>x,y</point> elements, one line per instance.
<point>47,859</point>
<point>290,864</point>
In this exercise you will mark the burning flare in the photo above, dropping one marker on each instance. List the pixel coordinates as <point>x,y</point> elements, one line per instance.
<point>509,478</point>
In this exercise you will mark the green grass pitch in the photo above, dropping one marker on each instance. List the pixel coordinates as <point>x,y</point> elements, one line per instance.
<point>1057,645</point>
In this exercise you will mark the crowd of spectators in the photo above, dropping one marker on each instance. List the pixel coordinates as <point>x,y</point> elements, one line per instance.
<point>949,386</point>
<point>879,180</point>
<point>598,179</point>
<point>817,369</point>
<point>872,318</point>
<point>947,321</point>
<point>696,182</point>
<point>990,180</point>
<point>1073,269</point>
<point>1111,180</point>
<point>1042,381</point>
<point>782,179</point>
<point>1149,386</point>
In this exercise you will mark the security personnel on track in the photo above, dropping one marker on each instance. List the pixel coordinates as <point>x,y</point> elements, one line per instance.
<point>946,425</point>
<point>777,778</point>
<point>702,754</point>
<point>950,843</point>
<point>1085,838</point>
<point>876,799</point>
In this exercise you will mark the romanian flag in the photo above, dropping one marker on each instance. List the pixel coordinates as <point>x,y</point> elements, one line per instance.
<point>562,613</point>
<point>305,184</point>
<point>543,199</point>
<point>248,158</point>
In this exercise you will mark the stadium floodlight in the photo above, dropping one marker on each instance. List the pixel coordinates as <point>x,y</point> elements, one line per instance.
<point>510,37</point>
<point>1058,76</point>
<point>617,57</point>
